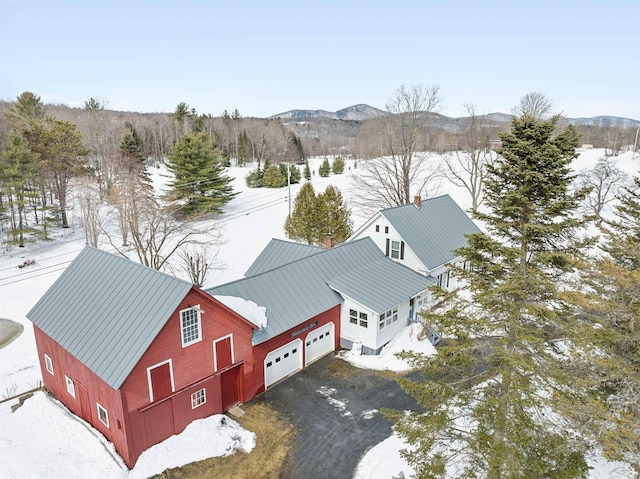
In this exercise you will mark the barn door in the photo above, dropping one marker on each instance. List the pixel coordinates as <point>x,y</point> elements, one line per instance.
<point>83,396</point>
<point>230,389</point>
<point>160,379</point>
<point>223,353</point>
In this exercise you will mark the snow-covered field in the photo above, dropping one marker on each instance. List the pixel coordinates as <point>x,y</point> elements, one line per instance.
<point>41,439</point>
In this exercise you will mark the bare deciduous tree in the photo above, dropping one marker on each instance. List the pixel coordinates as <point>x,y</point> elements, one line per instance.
<point>535,105</point>
<point>467,167</point>
<point>197,262</point>
<point>88,195</point>
<point>605,180</point>
<point>396,168</point>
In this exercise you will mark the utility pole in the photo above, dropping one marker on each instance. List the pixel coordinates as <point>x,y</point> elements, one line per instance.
<point>289,186</point>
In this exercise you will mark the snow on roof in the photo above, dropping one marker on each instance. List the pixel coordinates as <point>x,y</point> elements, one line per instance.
<point>245,308</point>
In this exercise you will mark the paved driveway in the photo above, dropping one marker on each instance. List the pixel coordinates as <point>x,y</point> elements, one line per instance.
<point>333,407</point>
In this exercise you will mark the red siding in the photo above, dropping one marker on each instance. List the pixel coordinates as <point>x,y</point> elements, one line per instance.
<point>191,365</point>
<point>261,350</point>
<point>89,389</point>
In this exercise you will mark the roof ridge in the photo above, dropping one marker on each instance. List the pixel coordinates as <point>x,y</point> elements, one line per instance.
<point>321,251</point>
<point>425,200</point>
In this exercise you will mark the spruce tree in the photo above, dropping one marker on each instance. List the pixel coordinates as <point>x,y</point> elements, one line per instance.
<point>503,388</point>
<point>325,168</point>
<point>334,216</point>
<point>273,176</point>
<point>303,223</point>
<point>338,165</point>
<point>307,170</point>
<point>611,301</point>
<point>295,175</point>
<point>200,185</point>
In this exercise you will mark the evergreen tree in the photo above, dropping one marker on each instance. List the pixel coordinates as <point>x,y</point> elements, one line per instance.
<point>338,165</point>
<point>295,175</point>
<point>307,170</point>
<point>199,177</point>
<point>27,108</point>
<point>334,216</point>
<point>255,178</point>
<point>325,168</point>
<point>503,394</point>
<point>131,150</point>
<point>302,225</point>
<point>273,176</point>
<point>611,302</point>
<point>245,151</point>
<point>17,170</point>
<point>62,157</point>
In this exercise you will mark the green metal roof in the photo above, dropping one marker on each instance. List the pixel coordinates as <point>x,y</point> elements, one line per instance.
<point>299,290</point>
<point>278,253</point>
<point>106,310</point>
<point>432,231</point>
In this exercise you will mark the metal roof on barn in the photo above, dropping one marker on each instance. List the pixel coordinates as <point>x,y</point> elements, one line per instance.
<point>433,230</point>
<point>299,290</point>
<point>278,253</point>
<point>106,310</point>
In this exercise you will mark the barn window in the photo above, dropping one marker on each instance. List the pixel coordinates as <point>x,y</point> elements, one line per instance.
<point>71,388</point>
<point>353,316</point>
<point>103,415</point>
<point>190,326</point>
<point>48,364</point>
<point>198,398</point>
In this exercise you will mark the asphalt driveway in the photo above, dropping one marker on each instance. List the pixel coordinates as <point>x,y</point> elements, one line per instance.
<point>334,408</point>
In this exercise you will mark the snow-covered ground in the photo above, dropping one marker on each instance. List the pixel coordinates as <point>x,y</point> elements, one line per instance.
<point>41,436</point>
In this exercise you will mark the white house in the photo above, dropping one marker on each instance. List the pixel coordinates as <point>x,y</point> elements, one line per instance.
<point>422,235</point>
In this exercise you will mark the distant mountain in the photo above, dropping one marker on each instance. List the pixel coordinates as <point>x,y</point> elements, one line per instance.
<point>364,112</point>
<point>606,121</point>
<point>359,112</point>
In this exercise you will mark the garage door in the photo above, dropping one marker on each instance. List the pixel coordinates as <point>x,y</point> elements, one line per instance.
<point>319,342</point>
<point>282,362</point>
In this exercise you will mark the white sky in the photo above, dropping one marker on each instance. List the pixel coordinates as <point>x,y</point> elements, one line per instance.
<point>265,58</point>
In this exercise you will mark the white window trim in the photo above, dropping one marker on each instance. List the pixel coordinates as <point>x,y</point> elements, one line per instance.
<point>71,390</point>
<point>204,398</point>
<point>215,357</point>
<point>106,413</point>
<point>199,312</point>
<point>48,364</point>
<point>173,386</point>
<point>393,250</point>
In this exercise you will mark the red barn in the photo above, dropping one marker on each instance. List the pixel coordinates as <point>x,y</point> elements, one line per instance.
<point>137,353</point>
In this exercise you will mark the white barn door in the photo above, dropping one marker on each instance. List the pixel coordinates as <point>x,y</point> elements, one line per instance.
<point>319,342</point>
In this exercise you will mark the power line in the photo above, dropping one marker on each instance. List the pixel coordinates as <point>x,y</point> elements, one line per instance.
<point>30,274</point>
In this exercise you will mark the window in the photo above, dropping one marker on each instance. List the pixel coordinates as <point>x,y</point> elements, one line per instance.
<point>190,326</point>
<point>198,398</point>
<point>395,249</point>
<point>388,318</point>
<point>103,415</point>
<point>377,228</point>
<point>386,229</point>
<point>356,318</point>
<point>71,388</point>
<point>48,364</point>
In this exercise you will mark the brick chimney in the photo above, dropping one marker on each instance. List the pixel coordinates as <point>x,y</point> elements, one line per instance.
<point>328,241</point>
<point>417,201</point>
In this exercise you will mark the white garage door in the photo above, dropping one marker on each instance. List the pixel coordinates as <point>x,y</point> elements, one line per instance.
<point>282,362</point>
<point>319,342</point>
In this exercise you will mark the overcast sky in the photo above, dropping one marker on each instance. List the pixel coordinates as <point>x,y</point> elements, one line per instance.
<point>265,58</point>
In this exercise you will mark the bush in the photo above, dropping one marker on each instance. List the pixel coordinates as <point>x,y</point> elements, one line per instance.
<point>254,179</point>
<point>273,177</point>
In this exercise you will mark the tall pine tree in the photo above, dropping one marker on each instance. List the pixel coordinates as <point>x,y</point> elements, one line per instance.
<point>335,217</point>
<point>200,184</point>
<point>502,385</point>
<point>302,224</point>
